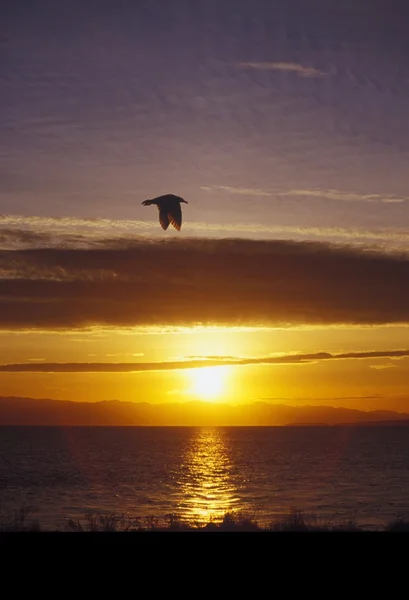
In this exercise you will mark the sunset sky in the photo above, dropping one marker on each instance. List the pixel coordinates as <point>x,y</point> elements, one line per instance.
<point>285,126</point>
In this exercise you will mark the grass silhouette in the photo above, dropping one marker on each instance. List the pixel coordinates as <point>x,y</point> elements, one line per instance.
<point>21,520</point>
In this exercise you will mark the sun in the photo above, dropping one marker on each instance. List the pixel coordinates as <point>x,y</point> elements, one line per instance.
<point>208,382</point>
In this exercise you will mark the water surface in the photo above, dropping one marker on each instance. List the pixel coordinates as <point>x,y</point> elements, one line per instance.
<point>336,473</point>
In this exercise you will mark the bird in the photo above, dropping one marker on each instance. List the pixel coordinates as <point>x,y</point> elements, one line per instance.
<point>169,210</point>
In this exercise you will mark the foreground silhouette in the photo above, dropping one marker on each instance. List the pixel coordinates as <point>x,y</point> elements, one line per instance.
<point>295,521</point>
<point>169,210</point>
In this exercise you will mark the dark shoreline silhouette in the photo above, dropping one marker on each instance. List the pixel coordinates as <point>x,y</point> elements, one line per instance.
<point>296,521</point>
<point>23,411</point>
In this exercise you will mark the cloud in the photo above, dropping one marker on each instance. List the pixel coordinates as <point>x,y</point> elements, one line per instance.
<point>128,367</point>
<point>282,66</point>
<point>347,196</point>
<point>330,194</point>
<point>237,190</point>
<point>17,232</point>
<point>188,282</point>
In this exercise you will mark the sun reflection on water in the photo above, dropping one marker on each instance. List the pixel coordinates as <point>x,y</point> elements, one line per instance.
<point>207,488</point>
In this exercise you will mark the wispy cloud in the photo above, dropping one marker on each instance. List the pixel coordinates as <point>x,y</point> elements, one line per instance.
<point>291,67</point>
<point>330,194</point>
<point>118,354</point>
<point>19,233</point>
<point>107,367</point>
<point>237,190</point>
<point>347,196</point>
<point>187,281</point>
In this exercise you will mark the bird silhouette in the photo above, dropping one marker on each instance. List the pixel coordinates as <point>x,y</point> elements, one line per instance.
<point>169,210</point>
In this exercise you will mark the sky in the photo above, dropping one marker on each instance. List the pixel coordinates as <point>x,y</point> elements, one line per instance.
<point>284,124</point>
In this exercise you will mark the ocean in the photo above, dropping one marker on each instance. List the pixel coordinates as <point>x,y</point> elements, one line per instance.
<point>338,474</point>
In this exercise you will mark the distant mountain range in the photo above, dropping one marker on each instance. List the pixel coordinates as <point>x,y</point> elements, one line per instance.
<point>32,411</point>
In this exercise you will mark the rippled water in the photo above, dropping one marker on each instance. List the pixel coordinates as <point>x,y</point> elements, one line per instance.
<point>337,473</point>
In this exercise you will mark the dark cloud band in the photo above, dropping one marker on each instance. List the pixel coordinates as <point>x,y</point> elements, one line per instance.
<point>193,364</point>
<point>202,281</point>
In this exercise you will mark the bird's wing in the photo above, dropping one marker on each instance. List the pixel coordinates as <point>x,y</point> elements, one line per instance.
<point>163,218</point>
<point>175,216</point>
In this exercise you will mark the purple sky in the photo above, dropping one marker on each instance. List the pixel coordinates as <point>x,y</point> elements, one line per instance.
<point>285,126</point>
<point>269,117</point>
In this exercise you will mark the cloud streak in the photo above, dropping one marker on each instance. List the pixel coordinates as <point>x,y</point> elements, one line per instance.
<point>289,67</point>
<point>196,363</point>
<point>329,194</point>
<point>348,196</point>
<point>237,190</point>
<point>17,232</point>
<point>190,282</point>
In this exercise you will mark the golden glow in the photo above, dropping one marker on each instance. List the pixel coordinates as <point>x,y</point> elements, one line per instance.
<point>208,383</point>
<point>356,383</point>
<point>207,487</point>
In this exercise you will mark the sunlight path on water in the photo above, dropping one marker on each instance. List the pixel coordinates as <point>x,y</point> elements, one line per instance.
<point>207,489</point>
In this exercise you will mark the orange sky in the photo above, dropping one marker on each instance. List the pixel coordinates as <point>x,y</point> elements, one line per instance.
<point>354,367</point>
<point>284,125</point>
